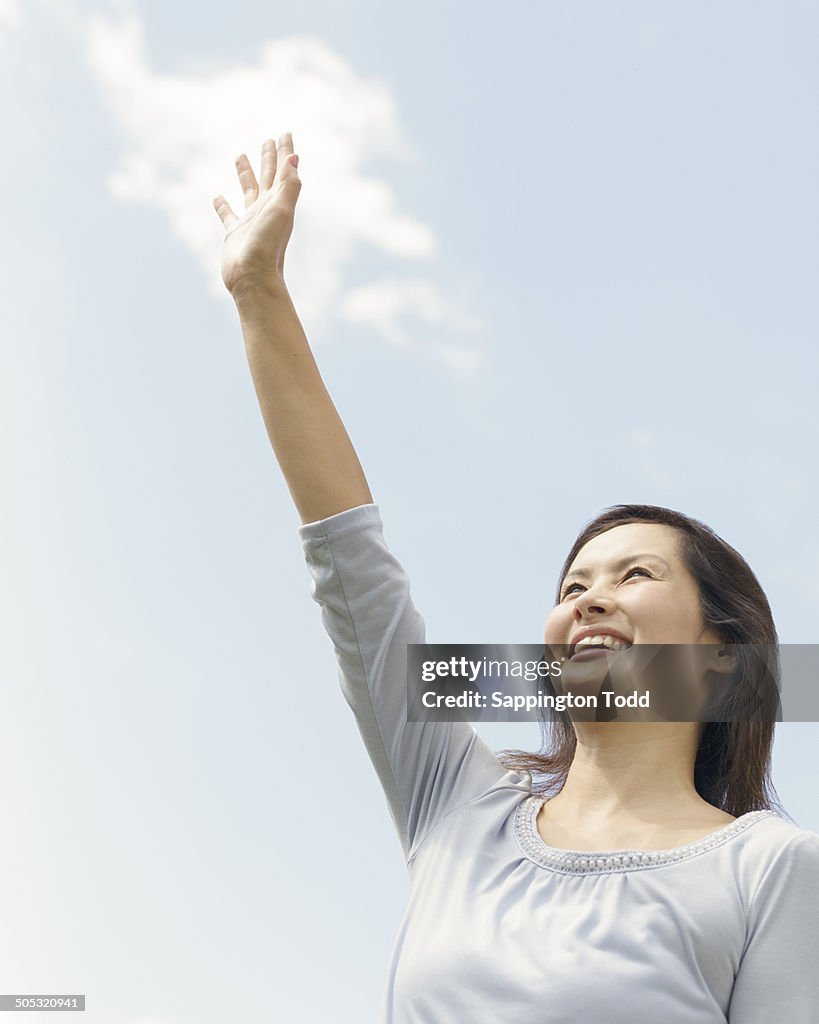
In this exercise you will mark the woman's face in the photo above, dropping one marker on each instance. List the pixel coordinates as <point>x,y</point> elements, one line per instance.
<point>631,580</point>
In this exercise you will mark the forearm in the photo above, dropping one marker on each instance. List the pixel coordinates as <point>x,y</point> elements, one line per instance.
<point>308,437</point>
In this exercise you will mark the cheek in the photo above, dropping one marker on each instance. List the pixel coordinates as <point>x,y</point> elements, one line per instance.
<point>665,618</point>
<point>557,623</point>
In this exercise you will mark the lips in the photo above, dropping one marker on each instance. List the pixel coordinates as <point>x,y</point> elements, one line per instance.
<point>586,653</point>
<point>598,639</point>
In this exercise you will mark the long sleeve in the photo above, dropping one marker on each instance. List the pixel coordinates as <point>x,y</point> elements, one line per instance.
<point>426,768</point>
<point>777,977</point>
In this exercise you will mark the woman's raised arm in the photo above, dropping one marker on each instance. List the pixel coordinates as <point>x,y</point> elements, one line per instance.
<point>309,439</point>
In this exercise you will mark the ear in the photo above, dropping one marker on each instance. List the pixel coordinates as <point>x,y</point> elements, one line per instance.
<point>722,658</point>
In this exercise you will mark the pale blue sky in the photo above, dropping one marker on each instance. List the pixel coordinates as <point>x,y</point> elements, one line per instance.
<point>550,257</point>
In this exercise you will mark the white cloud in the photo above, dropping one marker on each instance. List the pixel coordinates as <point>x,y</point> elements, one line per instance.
<point>380,303</point>
<point>10,18</point>
<point>384,305</point>
<point>182,131</point>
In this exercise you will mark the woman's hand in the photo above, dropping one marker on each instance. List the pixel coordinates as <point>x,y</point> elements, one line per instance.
<point>253,254</point>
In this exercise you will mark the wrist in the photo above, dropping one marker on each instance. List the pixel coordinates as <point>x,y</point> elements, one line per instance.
<point>249,293</point>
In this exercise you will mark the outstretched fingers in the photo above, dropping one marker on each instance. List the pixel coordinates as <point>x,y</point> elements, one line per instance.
<point>268,171</point>
<point>278,161</point>
<point>285,147</point>
<point>247,179</point>
<point>226,215</point>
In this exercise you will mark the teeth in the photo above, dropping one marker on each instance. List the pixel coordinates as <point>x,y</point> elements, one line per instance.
<point>601,641</point>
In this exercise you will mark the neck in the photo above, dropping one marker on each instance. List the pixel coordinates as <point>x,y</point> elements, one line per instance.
<point>630,769</point>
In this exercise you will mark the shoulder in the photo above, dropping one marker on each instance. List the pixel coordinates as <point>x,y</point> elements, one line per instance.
<point>778,836</point>
<point>775,854</point>
<point>771,837</point>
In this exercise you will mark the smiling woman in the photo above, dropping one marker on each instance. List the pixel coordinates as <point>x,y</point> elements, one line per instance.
<point>646,877</point>
<point>654,576</point>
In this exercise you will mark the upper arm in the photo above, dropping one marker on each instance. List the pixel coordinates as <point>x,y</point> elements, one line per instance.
<point>777,977</point>
<point>426,768</point>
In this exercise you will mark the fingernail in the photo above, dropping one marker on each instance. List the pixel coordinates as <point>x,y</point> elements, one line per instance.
<point>294,160</point>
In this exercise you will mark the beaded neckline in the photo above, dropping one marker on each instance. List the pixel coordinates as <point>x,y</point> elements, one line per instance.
<point>607,861</point>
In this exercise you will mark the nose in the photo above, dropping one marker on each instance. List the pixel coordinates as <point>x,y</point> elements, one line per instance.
<point>592,602</point>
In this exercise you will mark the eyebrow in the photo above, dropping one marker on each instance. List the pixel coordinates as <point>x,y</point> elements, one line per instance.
<point>617,566</point>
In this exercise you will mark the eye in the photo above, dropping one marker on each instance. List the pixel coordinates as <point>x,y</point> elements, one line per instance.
<point>569,589</point>
<point>638,568</point>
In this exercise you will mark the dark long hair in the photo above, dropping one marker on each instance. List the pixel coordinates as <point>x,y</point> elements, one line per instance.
<point>732,770</point>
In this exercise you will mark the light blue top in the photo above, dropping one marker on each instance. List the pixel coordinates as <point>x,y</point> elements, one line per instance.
<point>503,929</point>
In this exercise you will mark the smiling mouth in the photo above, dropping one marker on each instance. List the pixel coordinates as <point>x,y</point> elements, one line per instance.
<point>586,651</point>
